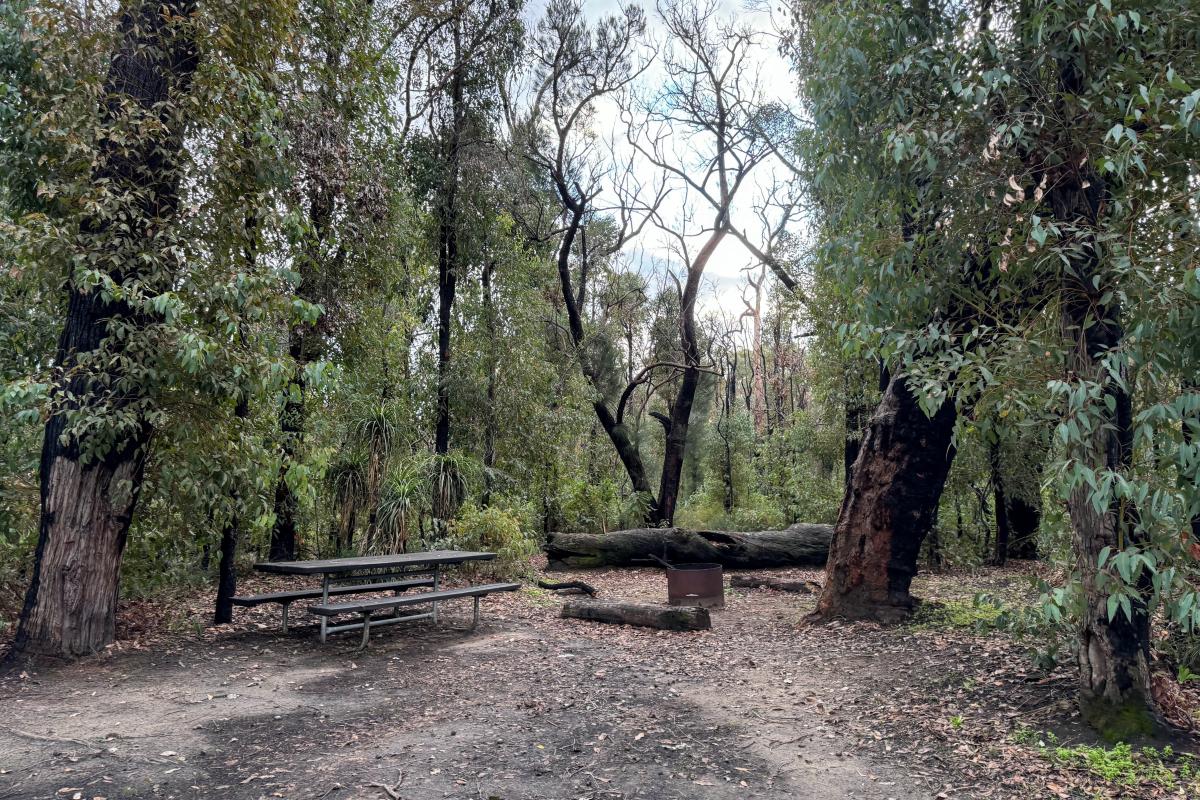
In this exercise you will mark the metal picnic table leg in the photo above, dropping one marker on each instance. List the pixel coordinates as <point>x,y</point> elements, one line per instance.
<point>324,601</point>
<point>436,586</point>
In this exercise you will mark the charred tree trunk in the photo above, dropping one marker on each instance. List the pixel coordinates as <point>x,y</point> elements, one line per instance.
<point>897,481</point>
<point>448,265</point>
<point>1000,500</point>
<point>489,423</point>
<point>1024,521</point>
<point>800,545</point>
<point>87,503</point>
<point>676,429</point>
<point>227,568</point>
<point>282,545</point>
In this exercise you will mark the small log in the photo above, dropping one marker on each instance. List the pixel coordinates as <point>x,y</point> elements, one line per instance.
<point>569,586</point>
<point>667,618</point>
<point>778,584</point>
<point>801,545</point>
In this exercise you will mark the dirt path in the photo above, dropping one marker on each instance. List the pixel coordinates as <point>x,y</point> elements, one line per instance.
<point>532,706</point>
<point>527,706</point>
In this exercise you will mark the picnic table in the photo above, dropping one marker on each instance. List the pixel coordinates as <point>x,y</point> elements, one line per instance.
<point>394,572</point>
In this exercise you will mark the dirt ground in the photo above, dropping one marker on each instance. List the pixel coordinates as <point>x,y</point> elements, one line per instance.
<point>532,706</point>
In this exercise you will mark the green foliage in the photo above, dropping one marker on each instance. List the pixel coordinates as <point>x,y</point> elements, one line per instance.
<point>495,530</point>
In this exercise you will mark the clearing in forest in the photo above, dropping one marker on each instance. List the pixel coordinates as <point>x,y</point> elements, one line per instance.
<point>533,706</point>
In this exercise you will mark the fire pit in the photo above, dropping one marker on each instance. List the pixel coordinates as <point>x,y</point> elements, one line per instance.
<point>696,585</point>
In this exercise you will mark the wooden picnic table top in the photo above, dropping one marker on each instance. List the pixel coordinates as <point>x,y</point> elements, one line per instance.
<point>326,566</point>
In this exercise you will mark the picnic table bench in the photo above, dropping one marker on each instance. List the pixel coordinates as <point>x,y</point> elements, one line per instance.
<point>362,575</point>
<point>285,599</point>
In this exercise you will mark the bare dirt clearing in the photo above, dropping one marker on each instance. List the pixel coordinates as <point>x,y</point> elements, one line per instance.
<point>531,706</point>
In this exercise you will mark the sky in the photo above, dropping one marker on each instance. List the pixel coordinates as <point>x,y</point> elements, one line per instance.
<point>724,275</point>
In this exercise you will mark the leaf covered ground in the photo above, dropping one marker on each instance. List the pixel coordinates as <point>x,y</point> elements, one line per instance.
<point>532,706</point>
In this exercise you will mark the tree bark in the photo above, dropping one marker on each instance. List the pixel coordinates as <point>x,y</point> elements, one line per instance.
<point>896,483</point>
<point>282,545</point>
<point>800,545</point>
<point>448,259</point>
<point>87,504</point>
<point>1114,654</point>
<point>227,568</point>
<point>668,618</point>
<point>1000,500</point>
<point>675,447</point>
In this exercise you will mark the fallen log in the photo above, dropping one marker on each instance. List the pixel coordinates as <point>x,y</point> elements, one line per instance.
<point>778,584</point>
<point>646,615</point>
<point>569,586</point>
<point>801,545</point>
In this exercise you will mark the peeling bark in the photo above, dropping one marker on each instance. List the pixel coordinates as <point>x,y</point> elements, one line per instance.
<point>87,506</point>
<point>888,510</point>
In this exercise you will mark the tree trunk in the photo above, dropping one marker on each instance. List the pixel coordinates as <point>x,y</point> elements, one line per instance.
<point>667,618</point>
<point>1024,521</point>
<point>448,265</point>
<point>282,546</point>
<point>86,506</point>
<point>777,584</point>
<point>1000,556</point>
<point>1114,654</point>
<point>675,447</point>
<point>227,568</point>
<point>897,481</point>
<point>493,368</point>
<point>800,545</point>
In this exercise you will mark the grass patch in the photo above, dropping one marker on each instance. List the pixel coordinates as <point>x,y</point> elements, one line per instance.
<point>966,614</point>
<point>1121,765</point>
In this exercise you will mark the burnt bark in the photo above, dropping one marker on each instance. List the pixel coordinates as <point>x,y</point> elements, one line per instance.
<point>448,258</point>
<point>230,533</point>
<point>800,545</point>
<point>282,546</point>
<point>1001,503</point>
<point>890,507</point>
<point>675,447</point>
<point>87,503</point>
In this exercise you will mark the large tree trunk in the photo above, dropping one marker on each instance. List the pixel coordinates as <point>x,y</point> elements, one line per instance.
<point>227,569</point>
<point>448,265</point>
<point>801,545</point>
<point>1114,653</point>
<point>1001,503</point>
<point>675,447</point>
<point>890,507</point>
<point>86,506</point>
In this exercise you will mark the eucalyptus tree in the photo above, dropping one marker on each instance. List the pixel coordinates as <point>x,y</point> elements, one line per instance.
<point>149,308</point>
<point>1028,219</point>
<point>705,130</point>
<point>462,58</point>
<point>577,67</point>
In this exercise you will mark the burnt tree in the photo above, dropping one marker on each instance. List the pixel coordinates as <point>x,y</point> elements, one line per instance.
<point>88,498</point>
<point>889,508</point>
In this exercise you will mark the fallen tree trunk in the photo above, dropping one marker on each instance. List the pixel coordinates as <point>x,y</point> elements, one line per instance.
<point>801,545</point>
<point>569,586</point>
<point>778,584</point>
<point>667,618</point>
